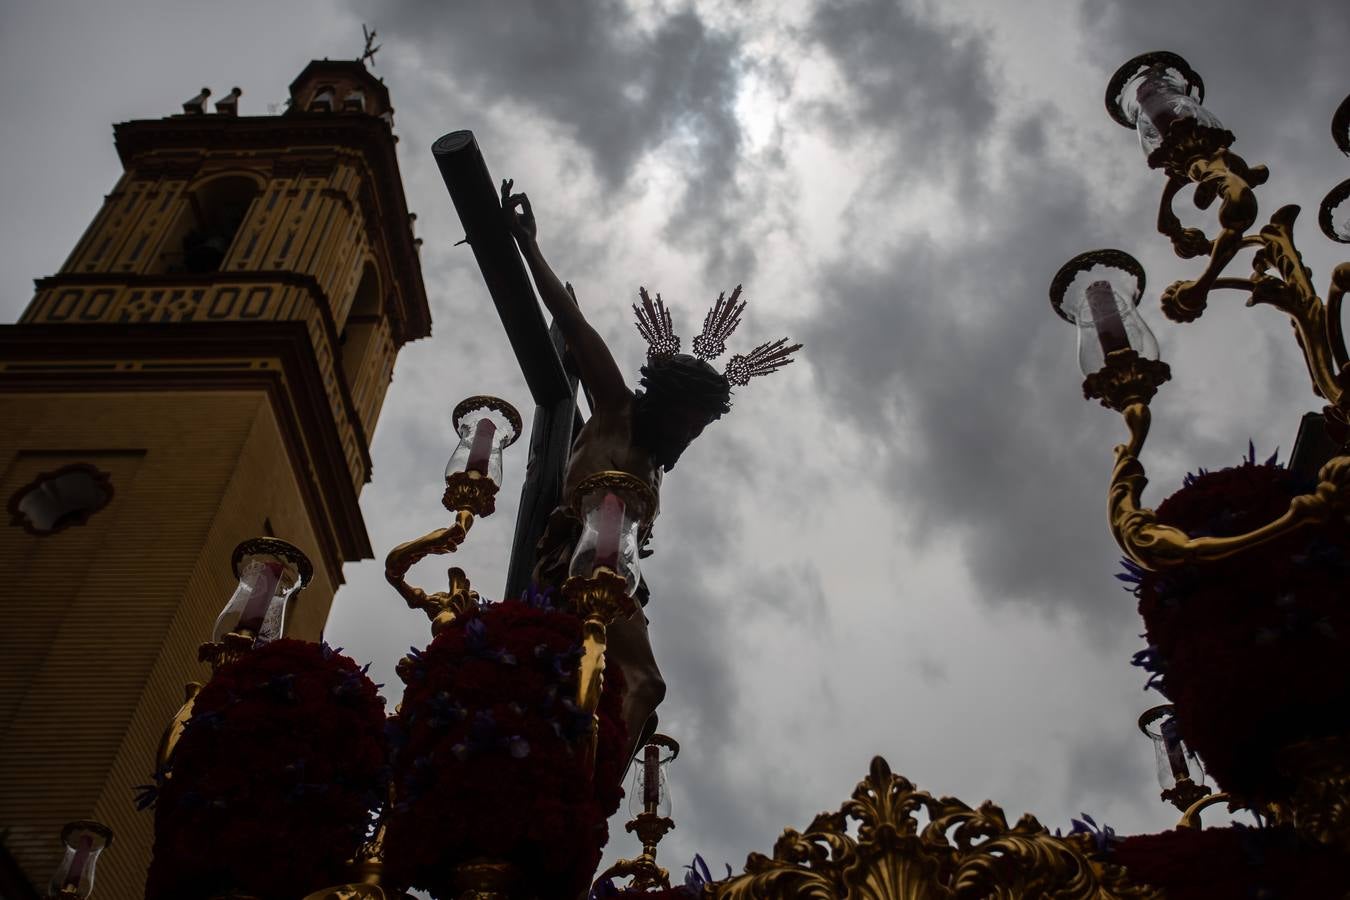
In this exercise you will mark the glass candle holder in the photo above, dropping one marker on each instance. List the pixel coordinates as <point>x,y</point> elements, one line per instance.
<point>650,793</point>
<point>1175,761</point>
<point>614,508</point>
<point>270,572</point>
<point>486,426</point>
<point>1099,291</point>
<point>85,840</point>
<point>1334,214</point>
<point>1152,93</point>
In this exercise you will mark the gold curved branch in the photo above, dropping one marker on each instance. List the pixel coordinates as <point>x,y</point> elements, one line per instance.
<point>1340,285</point>
<point>1293,293</point>
<point>1186,242</point>
<point>1234,284</point>
<point>597,601</point>
<point>173,732</point>
<point>1155,546</point>
<point>1224,175</point>
<point>1221,174</point>
<point>406,555</point>
<point>1191,818</point>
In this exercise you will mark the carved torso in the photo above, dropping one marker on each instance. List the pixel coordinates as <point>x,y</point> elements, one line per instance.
<point>605,443</point>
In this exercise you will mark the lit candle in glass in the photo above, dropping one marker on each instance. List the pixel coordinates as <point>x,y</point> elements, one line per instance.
<point>1174,759</point>
<point>1153,93</point>
<point>1334,214</point>
<point>651,784</point>
<point>1107,322</point>
<point>480,451</point>
<point>1105,316</point>
<point>613,507</point>
<point>485,426</point>
<point>1089,291</point>
<point>609,531</point>
<point>270,573</point>
<point>650,792</point>
<point>74,875</point>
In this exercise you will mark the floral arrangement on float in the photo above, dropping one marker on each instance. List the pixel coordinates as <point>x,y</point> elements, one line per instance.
<point>488,753</point>
<point>269,772</point>
<point>498,771</point>
<point>1236,861</point>
<point>509,745</point>
<point>1252,650</point>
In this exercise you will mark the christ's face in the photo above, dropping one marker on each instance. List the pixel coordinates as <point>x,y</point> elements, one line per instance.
<point>669,431</point>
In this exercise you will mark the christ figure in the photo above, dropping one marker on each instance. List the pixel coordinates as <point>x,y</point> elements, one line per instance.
<point>641,432</point>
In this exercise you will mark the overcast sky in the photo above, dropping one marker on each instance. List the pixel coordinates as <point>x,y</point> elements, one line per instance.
<point>895,546</point>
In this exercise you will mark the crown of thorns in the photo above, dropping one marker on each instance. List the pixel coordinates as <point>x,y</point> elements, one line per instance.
<point>653,323</point>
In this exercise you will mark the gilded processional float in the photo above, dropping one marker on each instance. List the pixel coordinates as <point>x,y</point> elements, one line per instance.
<point>497,772</point>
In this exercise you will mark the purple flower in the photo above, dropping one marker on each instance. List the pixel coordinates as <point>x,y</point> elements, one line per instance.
<point>147,794</point>
<point>445,710</point>
<point>1102,837</point>
<point>1152,662</point>
<point>699,875</point>
<point>282,687</point>
<point>603,889</point>
<point>536,598</point>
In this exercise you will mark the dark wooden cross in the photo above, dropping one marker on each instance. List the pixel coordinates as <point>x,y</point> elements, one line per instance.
<point>551,378</point>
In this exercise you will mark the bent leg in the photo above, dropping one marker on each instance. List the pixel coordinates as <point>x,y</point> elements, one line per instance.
<point>630,650</point>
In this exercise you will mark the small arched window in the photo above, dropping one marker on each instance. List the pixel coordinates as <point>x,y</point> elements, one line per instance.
<point>57,500</point>
<point>207,224</point>
<point>322,101</point>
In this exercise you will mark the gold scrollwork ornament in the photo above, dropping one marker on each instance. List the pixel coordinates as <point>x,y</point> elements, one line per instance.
<point>231,647</point>
<point>1320,803</point>
<point>598,601</point>
<point>1155,546</point>
<point>644,872</point>
<point>960,853</point>
<point>173,732</point>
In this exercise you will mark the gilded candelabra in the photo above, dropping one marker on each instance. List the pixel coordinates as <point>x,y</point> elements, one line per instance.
<point>84,840</point>
<point>486,426</point>
<point>1160,96</point>
<point>1175,760</point>
<point>615,508</point>
<point>270,573</point>
<point>649,801</point>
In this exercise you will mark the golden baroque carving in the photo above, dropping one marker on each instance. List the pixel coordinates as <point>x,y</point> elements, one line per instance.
<point>960,853</point>
<point>1155,546</point>
<point>1126,379</point>
<point>1320,804</point>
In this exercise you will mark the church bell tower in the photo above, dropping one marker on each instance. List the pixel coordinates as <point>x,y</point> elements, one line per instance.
<point>207,366</point>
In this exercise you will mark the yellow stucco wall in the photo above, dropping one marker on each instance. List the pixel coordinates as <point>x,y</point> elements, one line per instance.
<point>99,623</point>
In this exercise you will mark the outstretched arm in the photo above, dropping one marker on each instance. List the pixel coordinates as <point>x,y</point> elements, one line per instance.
<point>596,364</point>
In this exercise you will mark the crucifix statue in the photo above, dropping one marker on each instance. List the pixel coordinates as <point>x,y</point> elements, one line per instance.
<point>642,432</point>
